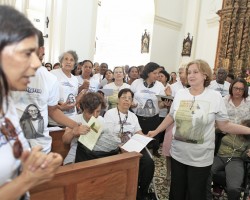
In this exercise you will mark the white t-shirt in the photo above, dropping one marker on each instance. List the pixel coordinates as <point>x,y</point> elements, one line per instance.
<point>103,82</point>
<point>176,87</point>
<point>68,90</point>
<point>98,77</point>
<point>93,83</point>
<point>113,99</point>
<point>145,98</point>
<point>9,165</point>
<point>164,111</point>
<point>32,107</point>
<point>221,88</point>
<point>113,124</point>
<point>194,132</point>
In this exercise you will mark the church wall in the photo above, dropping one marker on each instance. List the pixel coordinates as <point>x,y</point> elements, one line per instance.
<point>167,33</point>
<point>80,27</point>
<point>73,26</point>
<point>208,31</point>
<point>196,17</point>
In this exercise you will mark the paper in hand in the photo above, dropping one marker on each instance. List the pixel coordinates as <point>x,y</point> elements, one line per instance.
<point>136,143</point>
<point>89,140</point>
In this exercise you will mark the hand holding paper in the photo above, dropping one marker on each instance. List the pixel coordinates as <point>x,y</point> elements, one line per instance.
<point>136,143</point>
<point>89,140</point>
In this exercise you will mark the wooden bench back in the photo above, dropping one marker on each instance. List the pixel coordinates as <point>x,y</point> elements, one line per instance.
<point>57,144</point>
<point>109,178</point>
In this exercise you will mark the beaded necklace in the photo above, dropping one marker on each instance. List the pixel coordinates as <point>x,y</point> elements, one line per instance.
<point>122,122</point>
<point>234,149</point>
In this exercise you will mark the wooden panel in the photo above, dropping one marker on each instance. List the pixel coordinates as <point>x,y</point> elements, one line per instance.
<point>105,185</point>
<point>109,178</point>
<point>57,193</point>
<point>57,144</point>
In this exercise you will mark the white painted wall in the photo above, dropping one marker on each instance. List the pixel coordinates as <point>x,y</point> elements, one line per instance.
<point>194,16</point>
<point>80,26</point>
<point>165,46</point>
<point>73,26</point>
<point>120,29</point>
<point>208,30</point>
<point>167,33</point>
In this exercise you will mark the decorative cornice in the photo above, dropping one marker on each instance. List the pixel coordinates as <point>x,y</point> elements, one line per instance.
<point>168,23</point>
<point>214,21</point>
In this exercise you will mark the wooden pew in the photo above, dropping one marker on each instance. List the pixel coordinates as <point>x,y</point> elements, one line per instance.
<point>57,144</point>
<point>110,178</point>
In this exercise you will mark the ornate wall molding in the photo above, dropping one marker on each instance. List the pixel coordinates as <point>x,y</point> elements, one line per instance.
<point>233,49</point>
<point>168,23</point>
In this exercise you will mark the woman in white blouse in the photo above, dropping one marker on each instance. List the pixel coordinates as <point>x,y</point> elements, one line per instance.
<point>116,86</point>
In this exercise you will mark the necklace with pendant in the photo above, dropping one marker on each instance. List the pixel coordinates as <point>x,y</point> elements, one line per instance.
<point>234,149</point>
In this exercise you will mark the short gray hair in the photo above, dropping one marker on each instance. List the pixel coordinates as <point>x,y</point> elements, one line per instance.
<point>73,53</point>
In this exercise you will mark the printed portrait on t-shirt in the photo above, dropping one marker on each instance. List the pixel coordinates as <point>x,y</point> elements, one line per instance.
<point>71,100</point>
<point>148,110</point>
<point>191,119</point>
<point>32,122</point>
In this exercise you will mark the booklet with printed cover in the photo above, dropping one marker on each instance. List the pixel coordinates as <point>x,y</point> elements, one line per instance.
<point>89,140</point>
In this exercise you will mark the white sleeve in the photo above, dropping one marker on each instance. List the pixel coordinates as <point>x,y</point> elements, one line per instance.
<point>137,127</point>
<point>174,104</point>
<point>109,121</point>
<point>220,110</point>
<point>54,94</point>
<point>162,89</point>
<point>133,86</point>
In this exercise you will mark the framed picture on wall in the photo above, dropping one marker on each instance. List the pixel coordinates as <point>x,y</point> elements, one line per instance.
<point>187,46</point>
<point>145,42</point>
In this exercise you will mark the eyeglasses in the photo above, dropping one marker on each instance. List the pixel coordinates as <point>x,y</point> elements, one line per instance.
<point>126,98</point>
<point>238,89</point>
<point>9,131</point>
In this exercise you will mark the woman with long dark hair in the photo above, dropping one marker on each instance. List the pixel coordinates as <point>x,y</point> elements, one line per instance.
<point>19,61</point>
<point>146,104</point>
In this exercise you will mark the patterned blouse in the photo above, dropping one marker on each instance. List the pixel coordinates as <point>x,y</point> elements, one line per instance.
<point>237,114</point>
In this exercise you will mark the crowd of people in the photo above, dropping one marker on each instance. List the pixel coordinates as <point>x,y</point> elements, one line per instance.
<point>125,102</point>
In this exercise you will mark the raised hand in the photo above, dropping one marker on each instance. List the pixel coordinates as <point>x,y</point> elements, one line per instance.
<point>38,167</point>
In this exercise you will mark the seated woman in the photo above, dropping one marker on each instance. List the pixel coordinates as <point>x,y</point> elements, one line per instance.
<point>123,124</point>
<point>232,146</point>
<point>230,156</point>
<point>91,104</point>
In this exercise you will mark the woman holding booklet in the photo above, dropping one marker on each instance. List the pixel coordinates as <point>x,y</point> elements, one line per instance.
<point>124,124</point>
<point>120,125</point>
<point>97,145</point>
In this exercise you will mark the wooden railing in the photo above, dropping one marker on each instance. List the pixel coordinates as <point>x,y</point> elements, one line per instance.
<point>109,178</point>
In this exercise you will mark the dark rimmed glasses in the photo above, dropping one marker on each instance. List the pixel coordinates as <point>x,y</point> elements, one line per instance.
<point>9,131</point>
<point>238,89</point>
